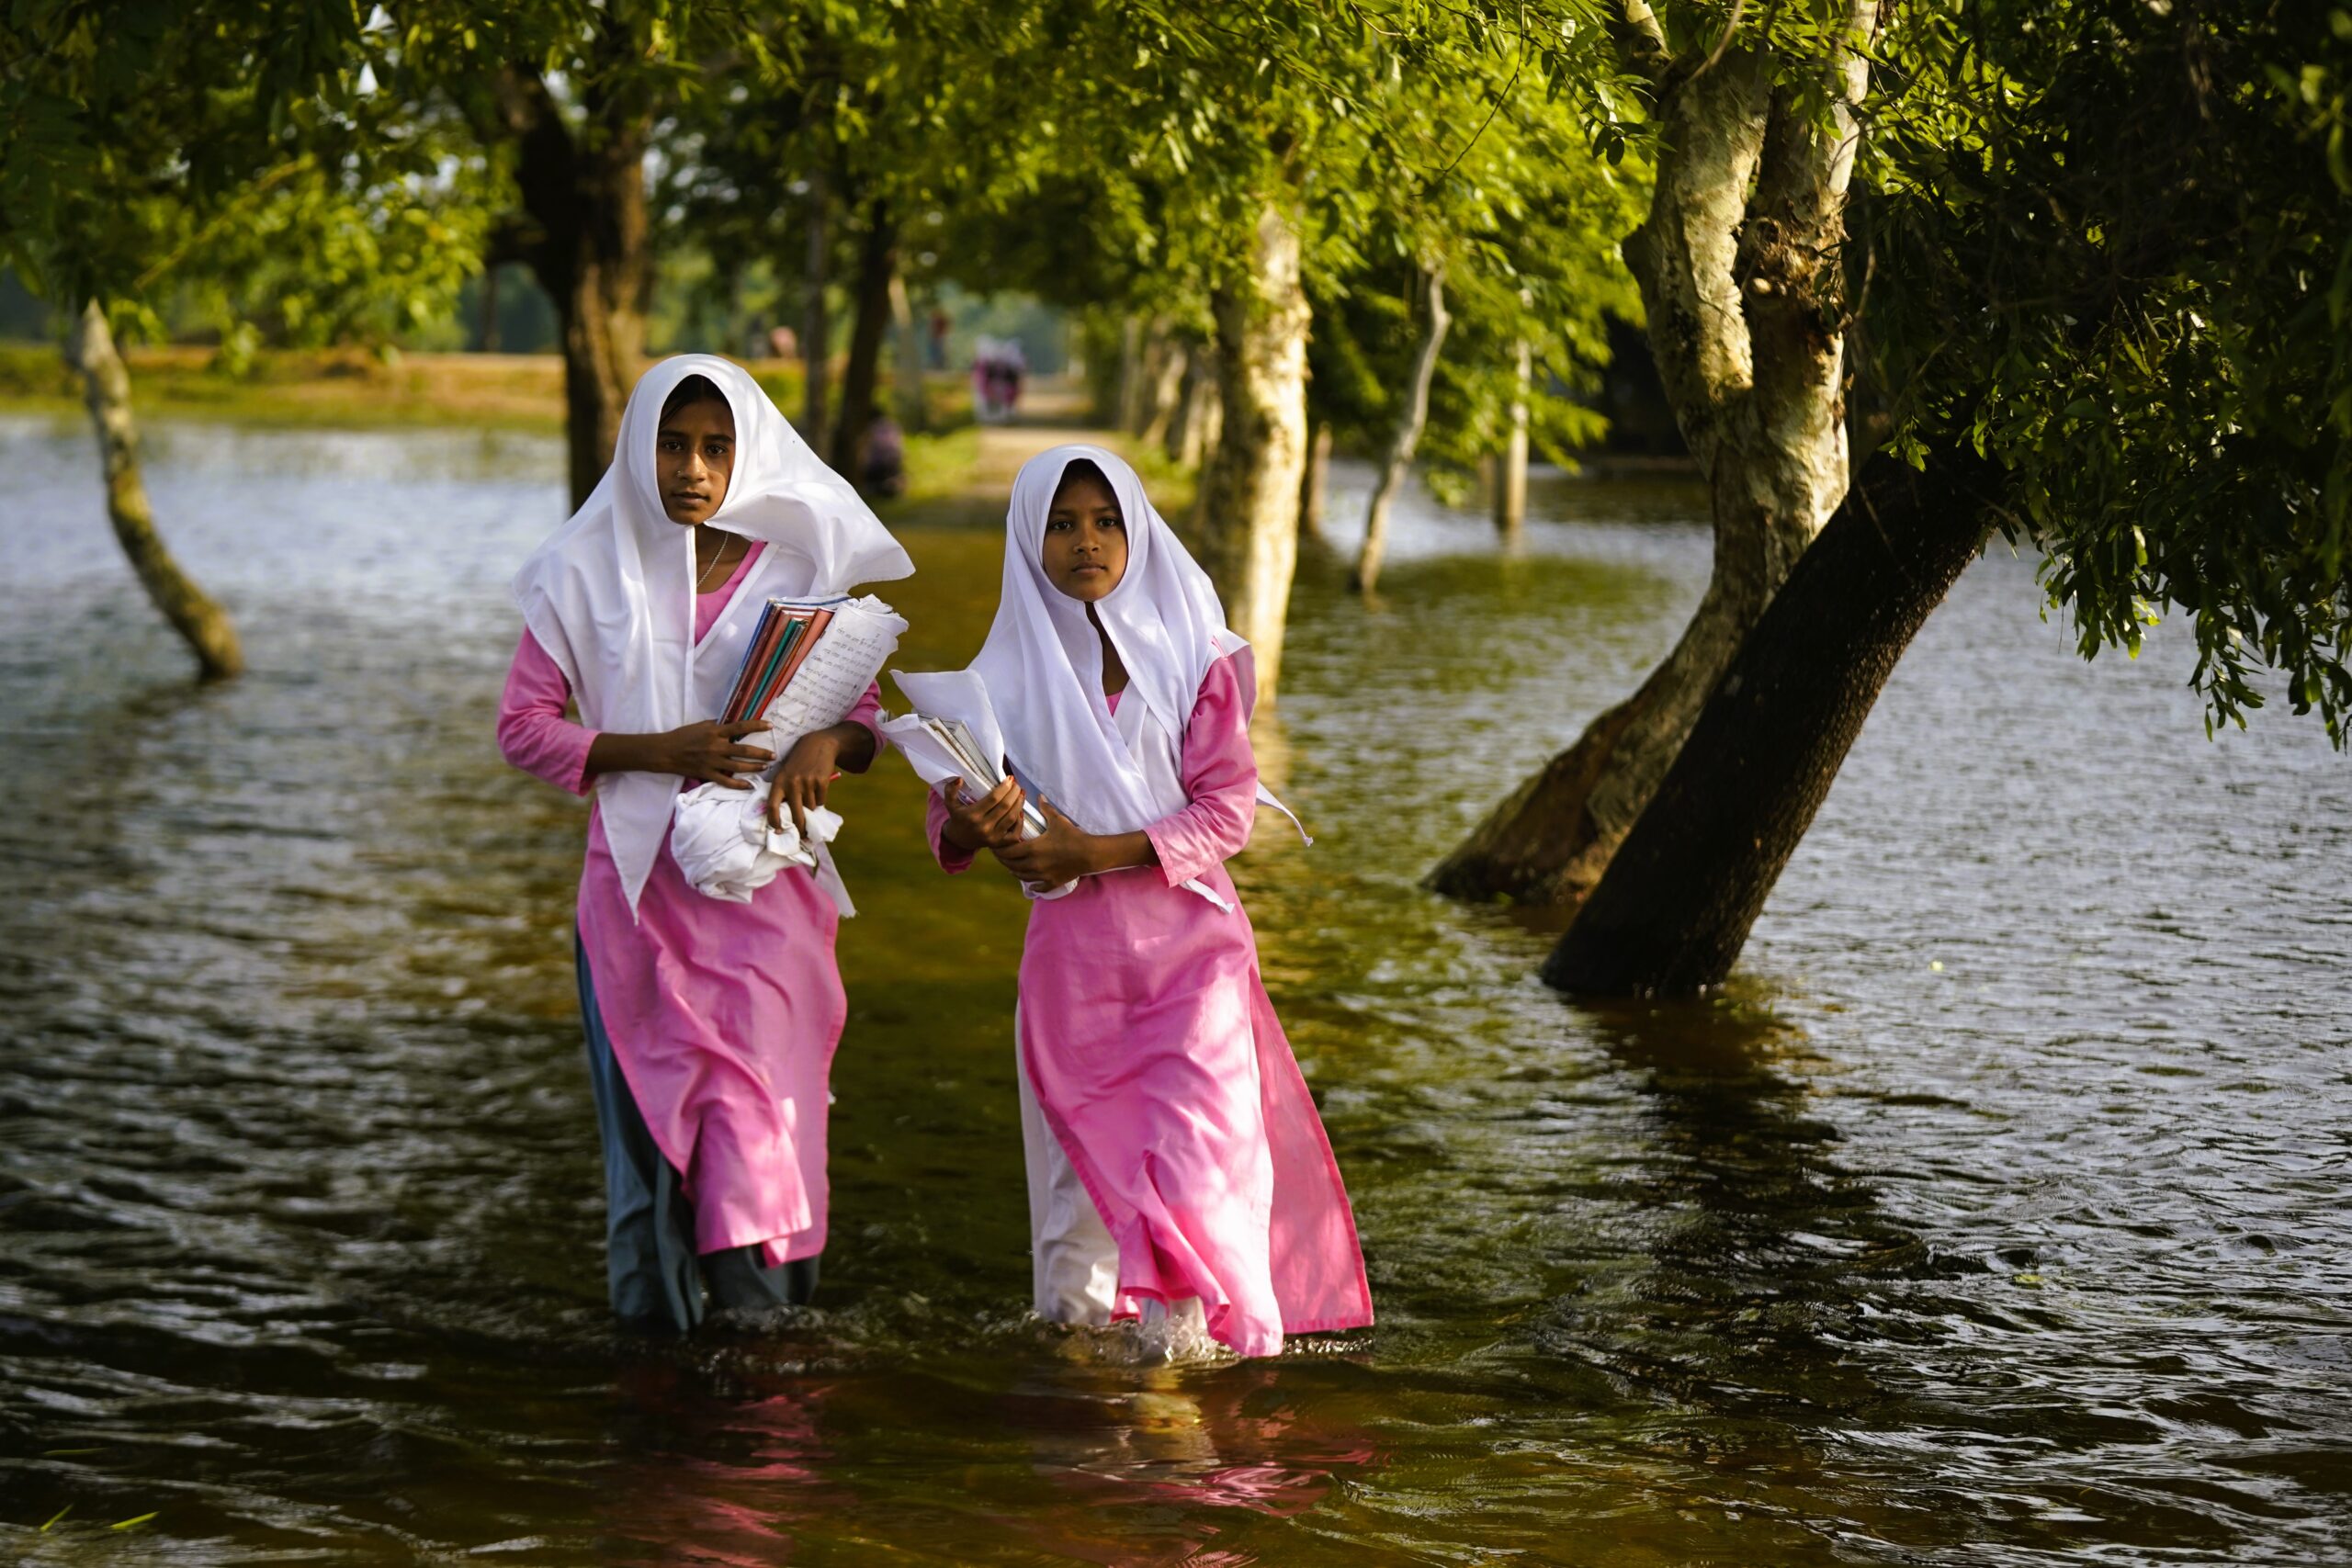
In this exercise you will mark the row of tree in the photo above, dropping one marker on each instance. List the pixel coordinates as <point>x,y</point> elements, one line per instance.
<point>2073,270</point>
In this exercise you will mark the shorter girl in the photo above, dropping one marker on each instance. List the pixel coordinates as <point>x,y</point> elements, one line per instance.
<point>1176,1162</point>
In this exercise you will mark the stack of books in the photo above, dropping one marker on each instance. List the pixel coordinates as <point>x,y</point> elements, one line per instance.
<point>780,644</point>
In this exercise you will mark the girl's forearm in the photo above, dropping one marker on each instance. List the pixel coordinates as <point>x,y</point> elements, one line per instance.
<point>611,753</point>
<point>854,746</point>
<point>1118,851</point>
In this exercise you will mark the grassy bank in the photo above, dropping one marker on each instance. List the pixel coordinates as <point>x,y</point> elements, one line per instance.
<point>958,477</point>
<point>348,390</point>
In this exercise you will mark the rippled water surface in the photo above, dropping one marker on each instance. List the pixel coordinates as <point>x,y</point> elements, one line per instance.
<point>1996,1216</point>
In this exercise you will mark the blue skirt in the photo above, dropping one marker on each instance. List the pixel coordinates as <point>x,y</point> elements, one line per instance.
<point>657,1280</point>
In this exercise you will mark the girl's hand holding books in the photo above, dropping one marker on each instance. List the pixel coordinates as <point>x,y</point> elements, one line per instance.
<point>990,822</point>
<point>1066,851</point>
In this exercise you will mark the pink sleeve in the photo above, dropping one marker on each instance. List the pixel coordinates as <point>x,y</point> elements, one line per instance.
<point>1220,774</point>
<point>934,823</point>
<point>868,712</point>
<point>533,734</point>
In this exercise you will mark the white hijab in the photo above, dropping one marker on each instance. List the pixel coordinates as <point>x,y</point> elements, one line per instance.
<point>610,595</point>
<point>1043,664</point>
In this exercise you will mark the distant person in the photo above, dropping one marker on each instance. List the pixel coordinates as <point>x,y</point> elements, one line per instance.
<point>986,383</point>
<point>935,344</point>
<point>882,464</point>
<point>710,1025</point>
<point>1013,370</point>
<point>783,343</point>
<point>1178,1171</point>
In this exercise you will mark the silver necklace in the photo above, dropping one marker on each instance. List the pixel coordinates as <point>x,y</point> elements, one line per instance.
<point>705,575</point>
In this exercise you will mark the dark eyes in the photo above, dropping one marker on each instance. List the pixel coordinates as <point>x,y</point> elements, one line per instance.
<point>1064,525</point>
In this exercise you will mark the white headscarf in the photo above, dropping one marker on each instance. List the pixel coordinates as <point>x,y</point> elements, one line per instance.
<point>610,596</point>
<point>1043,664</point>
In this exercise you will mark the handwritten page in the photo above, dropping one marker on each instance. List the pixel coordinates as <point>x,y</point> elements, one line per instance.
<point>855,644</point>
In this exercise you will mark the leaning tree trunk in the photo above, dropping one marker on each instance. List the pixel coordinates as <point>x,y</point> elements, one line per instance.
<point>1744,292</point>
<point>1250,489</point>
<point>877,264</point>
<point>584,191</point>
<point>195,615</point>
<point>1410,418</point>
<point>1675,908</point>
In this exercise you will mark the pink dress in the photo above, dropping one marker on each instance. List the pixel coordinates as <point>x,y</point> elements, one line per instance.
<point>1155,1054</point>
<point>723,1017</point>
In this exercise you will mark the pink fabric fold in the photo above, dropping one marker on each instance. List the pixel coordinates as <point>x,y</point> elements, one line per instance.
<point>724,1017</point>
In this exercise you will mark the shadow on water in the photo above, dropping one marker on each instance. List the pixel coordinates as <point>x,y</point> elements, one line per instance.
<point>1993,1216</point>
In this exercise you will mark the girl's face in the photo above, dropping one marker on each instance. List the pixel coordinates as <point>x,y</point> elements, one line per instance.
<point>694,456</point>
<point>1086,540</point>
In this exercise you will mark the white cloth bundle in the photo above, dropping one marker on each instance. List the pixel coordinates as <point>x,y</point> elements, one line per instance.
<point>721,841</point>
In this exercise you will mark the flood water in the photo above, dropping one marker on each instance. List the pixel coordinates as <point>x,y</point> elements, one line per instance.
<point>1995,1215</point>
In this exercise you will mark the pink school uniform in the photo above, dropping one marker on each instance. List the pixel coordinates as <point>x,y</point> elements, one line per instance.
<point>711,1025</point>
<point>1175,1155</point>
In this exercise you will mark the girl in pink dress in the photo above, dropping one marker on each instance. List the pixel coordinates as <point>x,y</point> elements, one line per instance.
<point>710,1025</point>
<point>1178,1170</point>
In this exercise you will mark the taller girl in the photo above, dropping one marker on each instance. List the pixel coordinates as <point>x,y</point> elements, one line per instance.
<point>1176,1162</point>
<point>710,1025</point>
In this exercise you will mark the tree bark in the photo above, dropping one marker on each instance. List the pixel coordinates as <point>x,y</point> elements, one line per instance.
<point>877,264</point>
<point>1199,418</point>
<point>1674,909</point>
<point>195,615</point>
<point>584,192</point>
<point>1511,475</point>
<point>1739,267</point>
<point>1249,488</point>
<point>1163,387</point>
<point>914,408</point>
<point>1406,437</point>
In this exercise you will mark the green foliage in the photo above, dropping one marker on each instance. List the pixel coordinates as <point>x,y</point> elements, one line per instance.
<point>2111,243</point>
<point>227,158</point>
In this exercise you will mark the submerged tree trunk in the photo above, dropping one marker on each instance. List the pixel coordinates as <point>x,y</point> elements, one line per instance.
<point>1676,905</point>
<point>1314,478</point>
<point>914,408</point>
<point>195,615</point>
<point>1410,418</point>
<point>1510,477</point>
<point>1250,489</point>
<point>1739,266</point>
<point>584,192</point>
<point>878,264</point>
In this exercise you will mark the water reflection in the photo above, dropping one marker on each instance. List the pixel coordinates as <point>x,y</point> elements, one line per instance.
<point>1994,1216</point>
